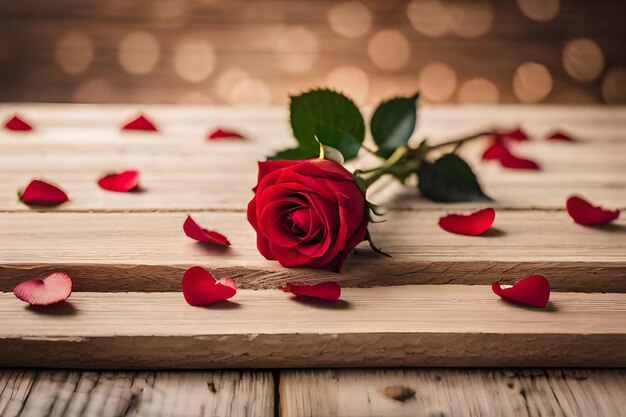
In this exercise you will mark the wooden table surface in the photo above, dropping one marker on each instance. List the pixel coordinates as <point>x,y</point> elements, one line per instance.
<point>429,306</point>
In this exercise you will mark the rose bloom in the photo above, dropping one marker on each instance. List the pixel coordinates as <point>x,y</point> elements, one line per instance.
<point>307,213</point>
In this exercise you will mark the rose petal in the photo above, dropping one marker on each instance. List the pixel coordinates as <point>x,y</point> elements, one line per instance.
<point>196,232</point>
<point>55,288</point>
<point>534,290</point>
<point>15,123</point>
<point>517,134</point>
<point>121,182</point>
<point>472,224</point>
<point>225,134</point>
<point>583,212</point>
<point>499,151</point>
<point>329,290</point>
<point>140,122</point>
<point>39,192</point>
<point>200,288</point>
<point>560,136</point>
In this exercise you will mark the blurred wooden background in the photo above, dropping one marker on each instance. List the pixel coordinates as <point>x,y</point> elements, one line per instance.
<point>246,52</point>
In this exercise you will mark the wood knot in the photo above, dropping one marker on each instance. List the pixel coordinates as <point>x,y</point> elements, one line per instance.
<point>399,393</point>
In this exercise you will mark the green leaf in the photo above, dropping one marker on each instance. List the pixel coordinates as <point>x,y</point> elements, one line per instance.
<point>331,116</point>
<point>296,153</point>
<point>393,123</point>
<point>449,180</point>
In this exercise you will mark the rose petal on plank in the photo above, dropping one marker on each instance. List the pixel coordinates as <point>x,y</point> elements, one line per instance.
<point>193,230</point>
<point>583,212</point>
<point>141,122</point>
<point>517,134</point>
<point>329,290</point>
<point>225,134</point>
<point>17,124</point>
<point>499,151</point>
<point>200,288</point>
<point>55,288</point>
<point>472,224</point>
<point>121,182</point>
<point>40,192</point>
<point>534,291</point>
<point>560,136</point>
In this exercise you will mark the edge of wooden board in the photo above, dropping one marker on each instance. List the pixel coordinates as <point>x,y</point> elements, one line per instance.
<point>588,277</point>
<point>391,326</point>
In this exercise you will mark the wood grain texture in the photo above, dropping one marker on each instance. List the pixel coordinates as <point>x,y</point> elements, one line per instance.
<point>388,326</point>
<point>149,252</point>
<point>454,393</point>
<point>181,171</point>
<point>26,393</point>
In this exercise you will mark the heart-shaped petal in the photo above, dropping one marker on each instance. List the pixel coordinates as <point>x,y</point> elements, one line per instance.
<point>472,224</point>
<point>224,134</point>
<point>499,151</point>
<point>200,288</point>
<point>560,136</point>
<point>55,288</point>
<point>329,290</point>
<point>517,134</point>
<point>583,212</point>
<point>17,124</point>
<point>141,122</point>
<point>193,230</point>
<point>120,182</point>
<point>534,291</point>
<point>39,192</point>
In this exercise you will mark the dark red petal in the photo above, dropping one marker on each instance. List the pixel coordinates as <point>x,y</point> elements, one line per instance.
<point>516,134</point>
<point>495,150</point>
<point>200,288</point>
<point>560,136</point>
<point>225,134</point>
<point>329,290</point>
<point>472,224</point>
<point>534,290</point>
<point>583,212</point>
<point>499,151</point>
<point>121,182</point>
<point>196,232</point>
<point>17,124</point>
<point>515,162</point>
<point>55,288</point>
<point>39,192</point>
<point>140,122</point>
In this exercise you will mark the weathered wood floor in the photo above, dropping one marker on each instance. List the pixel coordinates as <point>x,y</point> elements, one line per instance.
<point>429,306</point>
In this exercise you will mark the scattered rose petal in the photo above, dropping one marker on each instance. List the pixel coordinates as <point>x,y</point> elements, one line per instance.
<point>534,290</point>
<point>17,124</point>
<point>39,192</point>
<point>473,224</point>
<point>499,151</point>
<point>329,290</point>
<point>583,212</point>
<point>225,134</point>
<point>55,288</point>
<point>560,136</point>
<point>200,288</point>
<point>121,182</point>
<point>196,232</point>
<point>517,134</point>
<point>140,122</point>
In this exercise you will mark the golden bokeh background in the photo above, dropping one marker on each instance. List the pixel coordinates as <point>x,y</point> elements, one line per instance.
<point>247,52</point>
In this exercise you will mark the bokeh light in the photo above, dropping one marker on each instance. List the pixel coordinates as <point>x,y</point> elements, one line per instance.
<point>389,50</point>
<point>437,82</point>
<point>74,52</point>
<point>478,91</point>
<point>138,52</point>
<point>350,19</point>
<point>532,82</point>
<point>583,59</point>
<point>194,60</point>
<point>350,80</point>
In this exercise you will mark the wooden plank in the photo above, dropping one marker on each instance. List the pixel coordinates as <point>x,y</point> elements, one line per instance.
<point>27,393</point>
<point>387,326</point>
<point>149,252</point>
<point>74,145</point>
<point>453,393</point>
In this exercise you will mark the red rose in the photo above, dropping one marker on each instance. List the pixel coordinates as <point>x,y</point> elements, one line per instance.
<point>308,213</point>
